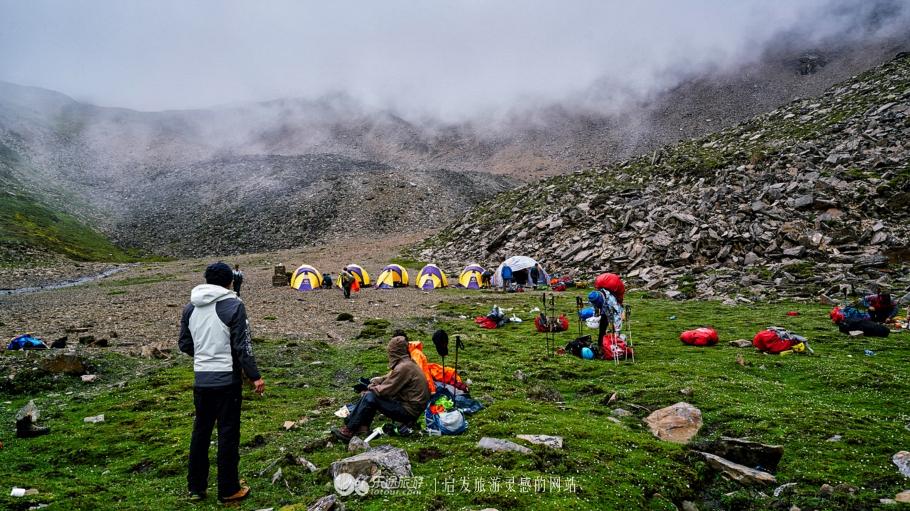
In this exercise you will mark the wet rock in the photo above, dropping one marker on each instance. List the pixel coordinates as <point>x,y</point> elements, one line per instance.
<point>383,460</point>
<point>739,473</point>
<point>677,423</point>
<point>500,445</point>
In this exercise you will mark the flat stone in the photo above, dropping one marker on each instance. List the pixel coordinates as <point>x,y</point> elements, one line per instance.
<point>384,460</point>
<point>677,423</point>
<point>89,378</point>
<point>903,496</point>
<point>902,460</point>
<point>621,412</point>
<point>327,503</point>
<point>746,452</point>
<point>94,419</point>
<point>741,343</point>
<point>739,473</point>
<point>499,445</point>
<point>553,442</point>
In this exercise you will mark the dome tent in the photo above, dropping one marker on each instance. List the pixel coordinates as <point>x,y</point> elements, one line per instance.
<point>431,277</point>
<point>518,264</point>
<point>393,275</point>
<point>306,278</point>
<point>471,277</point>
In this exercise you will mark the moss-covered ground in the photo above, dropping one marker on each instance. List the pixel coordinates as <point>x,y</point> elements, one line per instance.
<point>136,458</point>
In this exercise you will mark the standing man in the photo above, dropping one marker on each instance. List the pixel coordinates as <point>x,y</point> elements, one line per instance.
<point>347,282</point>
<point>214,330</point>
<point>238,279</point>
<point>506,278</point>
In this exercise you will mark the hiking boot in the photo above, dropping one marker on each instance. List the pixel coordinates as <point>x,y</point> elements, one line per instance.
<point>196,496</point>
<point>241,494</point>
<point>344,434</point>
<point>25,428</point>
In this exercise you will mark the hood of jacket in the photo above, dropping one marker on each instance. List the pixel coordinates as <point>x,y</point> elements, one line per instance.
<point>204,294</point>
<point>398,351</point>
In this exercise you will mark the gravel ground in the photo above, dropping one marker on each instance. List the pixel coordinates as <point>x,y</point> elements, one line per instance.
<point>142,304</point>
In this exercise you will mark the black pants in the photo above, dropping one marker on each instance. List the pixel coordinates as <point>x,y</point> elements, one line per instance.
<point>347,290</point>
<point>602,329</point>
<point>221,405</point>
<point>369,404</point>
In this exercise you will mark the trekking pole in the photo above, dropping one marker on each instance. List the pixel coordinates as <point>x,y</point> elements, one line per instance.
<point>578,313</point>
<point>629,319</point>
<point>455,374</point>
<point>552,319</point>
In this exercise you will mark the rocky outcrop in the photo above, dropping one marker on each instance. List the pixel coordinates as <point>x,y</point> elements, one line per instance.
<point>739,473</point>
<point>800,200</point>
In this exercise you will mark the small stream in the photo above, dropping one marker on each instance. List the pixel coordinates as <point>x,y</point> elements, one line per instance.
<point>64,283</point>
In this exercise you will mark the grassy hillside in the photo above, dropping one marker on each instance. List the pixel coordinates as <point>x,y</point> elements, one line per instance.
<point>30,228</point>
<point>136,458</point>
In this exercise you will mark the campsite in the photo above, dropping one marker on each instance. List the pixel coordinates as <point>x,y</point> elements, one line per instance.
<point>133,458</point>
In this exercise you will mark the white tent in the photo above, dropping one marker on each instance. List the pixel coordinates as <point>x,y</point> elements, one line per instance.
<point>517,263</point>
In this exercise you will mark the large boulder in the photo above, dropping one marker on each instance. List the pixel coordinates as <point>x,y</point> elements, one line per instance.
<point>748,453</point>
<point>677,423</point>
<point>739,473</point>
<point>384,460</point>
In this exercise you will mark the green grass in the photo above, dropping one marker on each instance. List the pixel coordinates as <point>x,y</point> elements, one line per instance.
<point>136,459</point>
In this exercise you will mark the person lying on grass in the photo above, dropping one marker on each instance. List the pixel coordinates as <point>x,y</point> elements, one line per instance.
<point>400,395</point>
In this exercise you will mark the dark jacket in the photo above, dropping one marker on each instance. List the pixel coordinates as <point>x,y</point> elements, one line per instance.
<point>214,330</point>
<point>405,382</point>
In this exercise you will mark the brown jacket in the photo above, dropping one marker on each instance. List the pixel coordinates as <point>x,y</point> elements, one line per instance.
<point>405,381</point>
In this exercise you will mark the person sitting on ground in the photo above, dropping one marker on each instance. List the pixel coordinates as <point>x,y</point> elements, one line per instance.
<point>347,282</point>
<point>609,309</point>
<point>400,395</point>
<point>880,306</point>
<point>506,278</point>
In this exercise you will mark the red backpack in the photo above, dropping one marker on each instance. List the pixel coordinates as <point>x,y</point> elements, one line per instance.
<point>544,324</point>
<point>769,342</point>
<point>699,337</point>
<point>612,283</point>
<point>615,347</point>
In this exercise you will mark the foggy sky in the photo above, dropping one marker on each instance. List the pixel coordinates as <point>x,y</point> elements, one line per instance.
<point>448,59</point>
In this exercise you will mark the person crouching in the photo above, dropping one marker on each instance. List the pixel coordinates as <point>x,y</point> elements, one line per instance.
<point>400,395</point>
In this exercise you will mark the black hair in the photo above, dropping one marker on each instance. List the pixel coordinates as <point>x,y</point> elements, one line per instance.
<point>400,333</point>
<point>219,274</point>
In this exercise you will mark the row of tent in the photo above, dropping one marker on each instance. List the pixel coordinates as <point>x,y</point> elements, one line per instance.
<point>307,278</point>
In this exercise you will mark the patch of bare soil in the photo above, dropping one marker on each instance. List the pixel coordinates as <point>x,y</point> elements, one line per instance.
<point>141,305</point>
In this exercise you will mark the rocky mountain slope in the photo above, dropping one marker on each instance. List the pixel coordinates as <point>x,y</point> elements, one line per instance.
<point>301,170</point>
<point>793,202</point>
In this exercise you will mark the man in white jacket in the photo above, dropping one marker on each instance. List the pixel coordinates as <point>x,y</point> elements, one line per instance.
<point>214,330</point>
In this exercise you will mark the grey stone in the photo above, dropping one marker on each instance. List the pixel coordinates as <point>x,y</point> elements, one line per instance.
<point>553,442</point>
<point>327,503</point>
<point>500,445</point>
<point>902,461</point>
<point>383,460</point>
<point>826,490</point>
<point>620,412</point>
<point>741,343</point>
<point>357,445</point>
